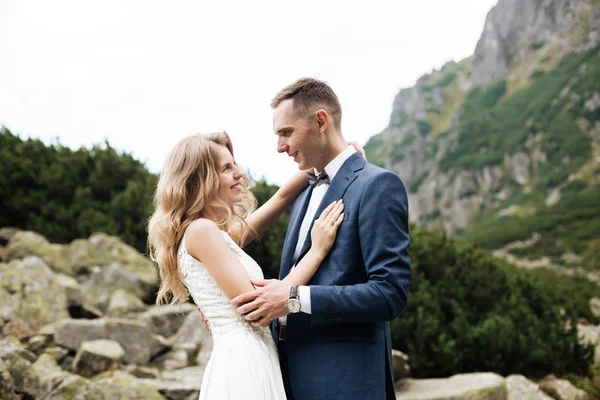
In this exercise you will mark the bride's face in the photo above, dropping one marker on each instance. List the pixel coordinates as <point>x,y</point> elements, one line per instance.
<point>230,178</point>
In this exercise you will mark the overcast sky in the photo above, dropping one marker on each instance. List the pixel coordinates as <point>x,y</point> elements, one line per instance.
<point>143,74</point>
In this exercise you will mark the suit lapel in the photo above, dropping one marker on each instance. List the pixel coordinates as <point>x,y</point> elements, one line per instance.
<point>289,245</point>
<point>344,177</point>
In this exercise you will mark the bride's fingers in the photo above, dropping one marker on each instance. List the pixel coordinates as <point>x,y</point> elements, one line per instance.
<point>339,220</point>
<point>326,211</point>
<point>334,213</point>
<point>324,218</point>
<point>327,217</point>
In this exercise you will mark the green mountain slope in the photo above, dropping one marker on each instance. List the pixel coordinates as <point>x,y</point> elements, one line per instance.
<point>515,162</point>
<point>553,107</point>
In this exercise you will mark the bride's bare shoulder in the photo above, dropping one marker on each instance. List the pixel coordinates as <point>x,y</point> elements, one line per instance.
<point>201,225</point>
<point>200,234</point>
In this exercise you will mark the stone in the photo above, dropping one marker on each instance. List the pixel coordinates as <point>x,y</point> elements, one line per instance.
<point>26,243</point>
<point>135,337</point>
<point>5,235</point>
<point>31,298</point>
<point>192,337</point>
<point>16,362</point>
<point>590,334</point>
<point>172,360</point>
<point>400,364</point>
<point>173,390</point>
<point>166,320</point>
<point>519,164</point>
<point>594,304</point>
<point>97,356</point>
<point>74,387</point>
<point>43,376</point>
<point>70,333</point>
<point>142,372</point>
<point>72,289</point>
<point>67,362</point>
<point>553,197</point>
<point>86,311</point>
<point>122,385</point>
<point>47,330</point>
<point>571,258</point>
<point>7,385</point>
<point>160,345</point>
<point>474,386</point>
<point>521,388</point>
<point>514,30</point>
<point>204,353</point>
<point>57,353</point>
<point>182,384</point>
<point>561,389</point>
<point>190,375</point>
<point>122,303</point>
<point>38,343</point>
<point>104,280</point>
<point>593,103</point>
<point>106,264</point>
<point>135,263</point>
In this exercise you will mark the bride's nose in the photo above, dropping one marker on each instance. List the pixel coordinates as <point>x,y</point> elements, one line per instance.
<point>238,174</point>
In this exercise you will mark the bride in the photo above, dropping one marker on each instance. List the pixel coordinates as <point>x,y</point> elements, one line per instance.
<point>203,218</point>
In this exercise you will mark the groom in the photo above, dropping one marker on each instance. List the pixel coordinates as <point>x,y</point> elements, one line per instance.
<point>333,335</point>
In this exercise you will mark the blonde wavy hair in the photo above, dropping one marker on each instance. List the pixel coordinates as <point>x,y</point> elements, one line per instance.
<point>188,184</point>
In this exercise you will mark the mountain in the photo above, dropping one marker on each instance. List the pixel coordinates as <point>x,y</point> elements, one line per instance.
<point>503,147</point>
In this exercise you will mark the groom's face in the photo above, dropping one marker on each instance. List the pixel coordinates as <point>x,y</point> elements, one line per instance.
<point>296,136</point>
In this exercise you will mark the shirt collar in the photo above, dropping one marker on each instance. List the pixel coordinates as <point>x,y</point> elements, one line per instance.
<point>334,165</point>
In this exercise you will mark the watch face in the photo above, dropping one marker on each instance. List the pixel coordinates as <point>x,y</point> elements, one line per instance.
<point>293,305</point>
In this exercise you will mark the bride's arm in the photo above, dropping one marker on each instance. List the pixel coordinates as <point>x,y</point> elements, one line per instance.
<point>264,217</point>
<point>269,300</point>
<point>205,242</point>
<point>322,236</point>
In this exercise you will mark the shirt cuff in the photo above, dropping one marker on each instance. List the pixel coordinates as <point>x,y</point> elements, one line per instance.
<point>304,294</point>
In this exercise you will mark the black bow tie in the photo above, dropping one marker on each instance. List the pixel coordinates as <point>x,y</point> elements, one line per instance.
<point>315,181</point>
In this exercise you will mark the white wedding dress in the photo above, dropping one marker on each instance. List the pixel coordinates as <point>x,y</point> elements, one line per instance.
<point>244,363</point>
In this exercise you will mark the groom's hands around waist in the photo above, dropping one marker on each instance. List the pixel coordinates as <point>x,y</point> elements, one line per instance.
<point>266,303</point>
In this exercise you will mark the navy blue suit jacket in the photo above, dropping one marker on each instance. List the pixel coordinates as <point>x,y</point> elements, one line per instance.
<point>342,350</point>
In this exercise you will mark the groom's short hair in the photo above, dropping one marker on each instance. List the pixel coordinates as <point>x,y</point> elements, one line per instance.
<point>309,95</point>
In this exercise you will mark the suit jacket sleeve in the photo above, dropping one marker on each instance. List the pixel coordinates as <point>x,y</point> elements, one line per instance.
<point>384,242</point>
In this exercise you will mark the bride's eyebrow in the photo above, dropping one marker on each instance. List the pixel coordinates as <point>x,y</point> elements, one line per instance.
<point>227,164</point>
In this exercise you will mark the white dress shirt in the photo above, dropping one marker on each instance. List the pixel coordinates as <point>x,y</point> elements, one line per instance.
<point>315,200</point>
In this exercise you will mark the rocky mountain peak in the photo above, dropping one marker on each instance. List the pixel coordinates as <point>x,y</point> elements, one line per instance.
<point>514,29</point>
<point>507,133</point>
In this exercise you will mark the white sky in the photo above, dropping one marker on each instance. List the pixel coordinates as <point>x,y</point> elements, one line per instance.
<point>143,74</point>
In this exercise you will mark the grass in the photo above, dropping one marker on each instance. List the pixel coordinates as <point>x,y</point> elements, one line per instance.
<point>453,98</point>
<point>492,128</point>
<point>567,226</point>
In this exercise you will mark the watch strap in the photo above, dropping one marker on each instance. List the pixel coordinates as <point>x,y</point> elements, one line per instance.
<point>294,292</point>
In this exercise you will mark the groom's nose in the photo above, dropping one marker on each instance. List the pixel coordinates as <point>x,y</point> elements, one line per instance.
<point>281,146</point>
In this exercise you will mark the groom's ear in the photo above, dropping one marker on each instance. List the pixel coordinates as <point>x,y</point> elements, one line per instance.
<point>322,119</point>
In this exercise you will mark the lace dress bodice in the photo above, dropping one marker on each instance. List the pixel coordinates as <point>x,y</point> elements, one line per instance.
<point>220,314</point>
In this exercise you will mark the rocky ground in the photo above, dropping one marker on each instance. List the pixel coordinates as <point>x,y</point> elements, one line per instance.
<point>77,323</point>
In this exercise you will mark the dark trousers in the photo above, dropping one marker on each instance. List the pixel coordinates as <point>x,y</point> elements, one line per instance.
<point>283,361</point>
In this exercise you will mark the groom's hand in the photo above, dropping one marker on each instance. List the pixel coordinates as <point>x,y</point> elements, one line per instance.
<point>266,303</point>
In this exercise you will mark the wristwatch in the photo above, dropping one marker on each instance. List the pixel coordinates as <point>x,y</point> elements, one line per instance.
<point>293,303</point>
